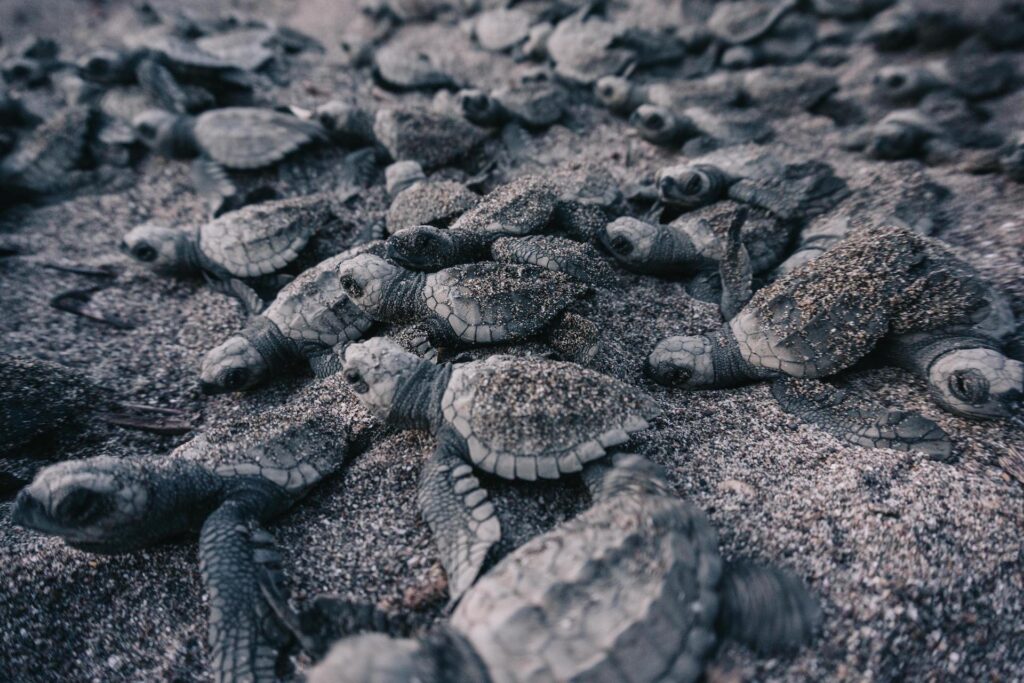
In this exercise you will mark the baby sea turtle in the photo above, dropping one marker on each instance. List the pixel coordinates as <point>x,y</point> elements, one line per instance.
<point>533,101</point>
<point>177,74</point>
<point>790,191</point>
<point>419,201</point>
<point>430,138</point>
<point>224,486</point>
<point>237,138</point>
<point>883,287</point>
<point>477,303</point>
<point>699,128</point>
<point>47,408</point>
<point>569,604</point>
<point>306,320</point>
<point>517,418</point>
<point>255,241</point>
<point>974,77</point>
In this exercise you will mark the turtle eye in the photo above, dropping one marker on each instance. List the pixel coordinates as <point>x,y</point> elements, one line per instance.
<point>896,81</point>
<point>144,253</point>
<point>234,378</point>
<point>653,121</point>
<point>694,184</point>
<point>147,130</point>
<point>79,506</point>
<point>351,287</point>
<point>606,91</point>
<point>621,245</point>
<point>969,386</point>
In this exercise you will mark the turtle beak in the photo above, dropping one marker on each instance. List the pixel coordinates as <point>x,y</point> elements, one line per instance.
<point>27,512</point>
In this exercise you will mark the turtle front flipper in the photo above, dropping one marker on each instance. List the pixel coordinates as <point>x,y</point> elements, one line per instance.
<point>244,636</point>
<point>576,259</point>
<point>459,514</point>
<point>826,406</point>
<point>251,302</point>
<point>735,269</point>
<point>213,183</point>
<point>766,608</point>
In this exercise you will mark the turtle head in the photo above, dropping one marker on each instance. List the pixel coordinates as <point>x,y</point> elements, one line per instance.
<point>365,279</point>
<point>235,365</point>
<point>979,382</point>
<point>422,247</point>
<point>376,370</point>
<point>892,30</point>
<point>899,83</point>
<point>105,66</point>
<point>686,362</point>
<point>658,125</point>
<point>691,186</point>
<point>615,92</point>
<point>478,107</point>
<point>402,175</point>
<point>157,246</point>
<point>895,140</point>
<point>645,247</point>
<point>102,505</point>
<point>375,657</point>
<point>155,128</point>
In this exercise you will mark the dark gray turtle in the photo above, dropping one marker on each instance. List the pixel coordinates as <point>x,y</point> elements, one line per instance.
<point>790,191</point>
<point>972,76</point>
<point>700,129</point>
<point>904,134</point>
<point>569,604</point>
<point>47,408</point>
<point>307,319</point>
<point>419,201</point>
<point>693,246</point>
<point>882,287</point>
<point>54,158</point>
<point>717,91</point>
<point>478,303</point>
<point>516,418</point>
<point>224,486</point>
<point>253,242</point>
<point>177,74</point>
<point>533,101</point>
<point>430,138</point>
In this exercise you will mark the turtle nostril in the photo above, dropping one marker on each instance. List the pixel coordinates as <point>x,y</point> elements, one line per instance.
<point>667,184</point>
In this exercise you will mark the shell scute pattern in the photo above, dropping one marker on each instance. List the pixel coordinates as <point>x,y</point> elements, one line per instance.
<point>247,138</point>
<point>600,596</point>
<point>490,302</point>
<point>555,417</point>
<point>262,238</point>
<point>518,208</point>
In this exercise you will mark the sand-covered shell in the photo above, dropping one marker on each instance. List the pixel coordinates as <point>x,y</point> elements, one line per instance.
<point>490,302</point>
<point>520,207</point>
<point>525,418</point>
<point>431,202</point>
<point>430,138</point>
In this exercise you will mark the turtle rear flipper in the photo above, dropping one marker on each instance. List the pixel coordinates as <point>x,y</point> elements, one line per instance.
<point>245,638</point>
<point>766,608</point>
<point>460,516</point>
<point>251,302</point>
<point>824,406</point>
<point>578,260</point>
<point>735,270</point>
<point>575,338</point>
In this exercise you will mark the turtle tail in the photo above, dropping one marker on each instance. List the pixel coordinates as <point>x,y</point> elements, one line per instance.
<point>767,609</point>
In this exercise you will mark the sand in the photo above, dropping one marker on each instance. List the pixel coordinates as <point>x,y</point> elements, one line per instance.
<point>918,564</point>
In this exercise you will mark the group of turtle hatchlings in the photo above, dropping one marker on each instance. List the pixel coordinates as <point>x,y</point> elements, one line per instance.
<point>811,277</point>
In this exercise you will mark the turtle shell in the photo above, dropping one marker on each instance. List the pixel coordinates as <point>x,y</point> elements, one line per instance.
<point>627,590</point>
<point>50,152</point>
<point>250,137</point>
<point>435,203</point>
<point>490,302</point>
<point>521,207</point>
<point>246,48</point>
<point>745,21</point>
<point>188,56</point>
<point>584,49</point>
<point>500,29</point>
<point>313,310</point>
<point>402,66</point>
<point>829,313</point>
<point>526,418</point>
<point>425,136</point>
<point>262,238</point>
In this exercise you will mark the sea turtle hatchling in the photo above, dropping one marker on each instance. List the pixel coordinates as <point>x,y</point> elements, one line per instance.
<point>790,191</point>
<point>476,303</point>
<point>306,320</point>
<point>417,200</point>
<point>224,486</point>
<point>236,138</point>
<point>700,129</point>
<point>253,242</point>
<point>518,210</point>
<point>883,287</point>
<point>636,583</point>
<point>517,418</point>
